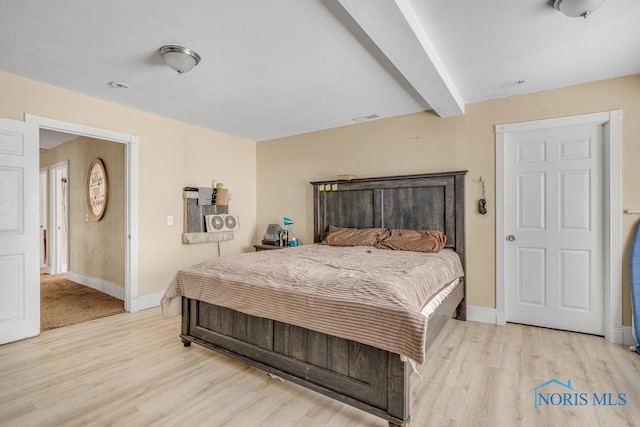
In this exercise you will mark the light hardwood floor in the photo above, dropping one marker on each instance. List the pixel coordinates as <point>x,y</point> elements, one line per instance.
<point>132,370</point>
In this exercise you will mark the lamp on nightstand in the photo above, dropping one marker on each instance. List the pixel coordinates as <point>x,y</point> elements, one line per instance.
<point>291,239</point>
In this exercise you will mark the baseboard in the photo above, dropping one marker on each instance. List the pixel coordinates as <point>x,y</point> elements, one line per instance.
<point>501,318</point>
<point>145,301</point>
<point>627,336</point>
<point>97,284</point>
<point>476,313</point>
<point>620,335</point>
<point>616,335</point>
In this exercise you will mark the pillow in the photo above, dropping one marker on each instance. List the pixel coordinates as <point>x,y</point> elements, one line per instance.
<point>341,236</point>
<point>413,240</point>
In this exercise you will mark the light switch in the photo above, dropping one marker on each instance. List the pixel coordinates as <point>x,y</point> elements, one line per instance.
<point>169,219</point>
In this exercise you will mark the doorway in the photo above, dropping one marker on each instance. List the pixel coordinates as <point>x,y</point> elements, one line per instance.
<point>86,257</point>
<point>130,189</point>
<point>612,253</point>
<point>19,251</point>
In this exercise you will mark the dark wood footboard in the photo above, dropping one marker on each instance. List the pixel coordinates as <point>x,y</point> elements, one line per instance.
<point>365,377</point>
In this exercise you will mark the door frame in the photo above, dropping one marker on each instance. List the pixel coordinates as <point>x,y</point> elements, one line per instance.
<point>131,191</point>
<point>612,121</point>
<point>54,200</point>
<point>44,204</point>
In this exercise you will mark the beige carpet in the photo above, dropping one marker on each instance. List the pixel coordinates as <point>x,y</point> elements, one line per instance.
<point>63,303</point>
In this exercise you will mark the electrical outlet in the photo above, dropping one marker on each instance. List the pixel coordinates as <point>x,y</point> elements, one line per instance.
<point>169,219</point>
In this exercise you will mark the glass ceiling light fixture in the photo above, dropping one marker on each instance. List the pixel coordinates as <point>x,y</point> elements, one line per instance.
<point>577,8</point>
<point>180,58</point>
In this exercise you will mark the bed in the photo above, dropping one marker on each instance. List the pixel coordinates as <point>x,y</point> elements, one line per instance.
<point>368,374</point>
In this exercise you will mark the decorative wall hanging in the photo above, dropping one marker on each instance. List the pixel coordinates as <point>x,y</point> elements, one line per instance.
<point>97,189</point>
<point>482,203</point>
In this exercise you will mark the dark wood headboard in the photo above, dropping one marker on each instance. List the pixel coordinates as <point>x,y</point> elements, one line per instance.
<point>433,201</point>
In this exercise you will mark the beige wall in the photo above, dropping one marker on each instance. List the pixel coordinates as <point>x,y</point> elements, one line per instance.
<point>423,142</point>
<point>173,154</point>
<point>96,248</point>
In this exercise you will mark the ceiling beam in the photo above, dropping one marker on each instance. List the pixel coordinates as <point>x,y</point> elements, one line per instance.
<point>394,27</point>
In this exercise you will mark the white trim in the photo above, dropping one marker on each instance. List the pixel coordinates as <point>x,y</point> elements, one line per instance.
<point>146,301</point>
<point>131,178</point>
<point>131,206</point>
<point>613,218</point>
<point>52,236</point>
<point>579,120</point>
<point>98,284</point>
<point>476,313</point>
<point>44,191</point>
<point>627,336</point>
<point>612,121</point>
<point>622,335</point>
<point>54,220</point>
<point>76,129</point>
<point>501,189</point>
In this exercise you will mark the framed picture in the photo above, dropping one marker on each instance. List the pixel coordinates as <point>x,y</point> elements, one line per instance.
<point>97,189</point>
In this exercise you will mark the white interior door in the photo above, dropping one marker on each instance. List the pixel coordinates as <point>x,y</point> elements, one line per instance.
<point>19,225</point>
<point>59,218</point>
<point>554,219</point>
<point>43,218</point>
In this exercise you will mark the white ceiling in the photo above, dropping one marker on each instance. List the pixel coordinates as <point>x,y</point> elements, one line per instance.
<point>273,68</point>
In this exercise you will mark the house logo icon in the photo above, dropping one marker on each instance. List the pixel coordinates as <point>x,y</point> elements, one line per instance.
<point>540,398</point>
<point>557,393</point>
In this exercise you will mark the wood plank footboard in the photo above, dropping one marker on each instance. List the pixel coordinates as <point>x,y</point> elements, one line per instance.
<point>368,378</point>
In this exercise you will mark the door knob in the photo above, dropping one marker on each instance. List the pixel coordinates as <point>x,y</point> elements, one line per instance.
<point>511,237</point>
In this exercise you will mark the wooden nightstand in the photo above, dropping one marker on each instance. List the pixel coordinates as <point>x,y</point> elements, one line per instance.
<point>268,247</point>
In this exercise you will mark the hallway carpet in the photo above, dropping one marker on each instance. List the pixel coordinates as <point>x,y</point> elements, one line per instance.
<point>63,303</point>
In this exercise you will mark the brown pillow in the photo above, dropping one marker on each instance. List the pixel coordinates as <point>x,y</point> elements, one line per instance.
<point>341,236</point>
<point>413,240</point>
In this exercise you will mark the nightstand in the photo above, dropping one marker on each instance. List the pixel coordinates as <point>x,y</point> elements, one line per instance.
<point>268,247</point>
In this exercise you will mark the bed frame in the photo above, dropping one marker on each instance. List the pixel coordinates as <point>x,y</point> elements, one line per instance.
<point>374,380</point>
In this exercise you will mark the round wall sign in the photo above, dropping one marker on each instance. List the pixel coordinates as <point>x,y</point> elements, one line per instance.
<point>97,189</point>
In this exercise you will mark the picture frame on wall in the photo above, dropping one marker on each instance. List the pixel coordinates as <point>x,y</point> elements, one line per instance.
<point>97,186</point>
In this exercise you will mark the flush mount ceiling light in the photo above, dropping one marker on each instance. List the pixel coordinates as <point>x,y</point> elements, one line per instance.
<point>180,58</point>
<point>577,8</point>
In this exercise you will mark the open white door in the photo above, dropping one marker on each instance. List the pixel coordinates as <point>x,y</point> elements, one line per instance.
<point>19,225</point>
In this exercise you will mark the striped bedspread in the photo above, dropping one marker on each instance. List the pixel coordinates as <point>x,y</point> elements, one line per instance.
<point>373,296</point>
